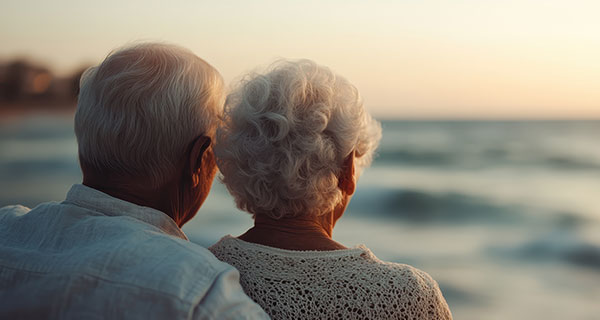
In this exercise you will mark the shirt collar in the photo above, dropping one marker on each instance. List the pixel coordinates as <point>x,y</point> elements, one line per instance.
<point>90,198</point>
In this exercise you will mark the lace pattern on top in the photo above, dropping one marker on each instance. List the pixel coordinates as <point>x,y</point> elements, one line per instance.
<point>340,284</point>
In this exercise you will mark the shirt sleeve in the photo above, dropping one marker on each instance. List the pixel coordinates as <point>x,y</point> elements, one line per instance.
<point>226,300</point>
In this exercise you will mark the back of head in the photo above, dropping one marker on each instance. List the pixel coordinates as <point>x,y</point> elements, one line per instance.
<point>285,138</point>
<point>139,110</point>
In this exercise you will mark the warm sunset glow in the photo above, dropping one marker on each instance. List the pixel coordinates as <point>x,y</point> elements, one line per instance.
<point>41,82</point>
<point>409,59</point>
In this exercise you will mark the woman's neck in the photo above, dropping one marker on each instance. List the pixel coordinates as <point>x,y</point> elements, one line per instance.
<point>313,233</point>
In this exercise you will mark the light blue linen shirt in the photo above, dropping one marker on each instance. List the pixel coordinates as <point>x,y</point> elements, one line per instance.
<point>94,256</point>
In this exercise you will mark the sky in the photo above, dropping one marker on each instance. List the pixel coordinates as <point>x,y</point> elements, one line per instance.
<point>460,59</point>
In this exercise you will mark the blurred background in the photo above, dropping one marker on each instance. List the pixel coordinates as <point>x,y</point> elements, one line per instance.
<point>488,174</point>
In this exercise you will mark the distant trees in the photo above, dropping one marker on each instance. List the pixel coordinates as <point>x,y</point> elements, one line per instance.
<point>23,83</point>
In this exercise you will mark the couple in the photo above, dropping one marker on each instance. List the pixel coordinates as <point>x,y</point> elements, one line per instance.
<point>151,132</point>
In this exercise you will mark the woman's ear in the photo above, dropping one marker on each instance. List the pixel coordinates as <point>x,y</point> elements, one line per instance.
<point>199,148</point>
<point>347,179</point>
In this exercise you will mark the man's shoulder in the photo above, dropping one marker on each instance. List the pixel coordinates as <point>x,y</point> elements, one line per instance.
<point>141,256</point>
<point>15,210</point>
<point>171,252</point>
<point>18,210</point>
<point>12,216</point>
<point>163,263</point>
<point>64,240</point>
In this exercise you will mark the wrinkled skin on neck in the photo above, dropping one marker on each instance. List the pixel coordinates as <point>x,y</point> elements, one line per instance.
<point>179,197</point>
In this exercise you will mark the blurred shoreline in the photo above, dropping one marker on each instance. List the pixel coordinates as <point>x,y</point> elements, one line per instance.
<point>30,88</point>
<point>15,111</point>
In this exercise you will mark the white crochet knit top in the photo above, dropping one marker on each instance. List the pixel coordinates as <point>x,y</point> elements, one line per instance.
<point>339,284</point>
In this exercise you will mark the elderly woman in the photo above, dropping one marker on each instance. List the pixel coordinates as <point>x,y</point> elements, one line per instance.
<point>291,149</point>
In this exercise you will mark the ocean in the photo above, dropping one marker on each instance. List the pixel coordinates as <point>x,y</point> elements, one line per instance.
<point>505,215</point>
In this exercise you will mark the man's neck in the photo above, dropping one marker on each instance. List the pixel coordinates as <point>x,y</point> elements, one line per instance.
<point>154,198</point>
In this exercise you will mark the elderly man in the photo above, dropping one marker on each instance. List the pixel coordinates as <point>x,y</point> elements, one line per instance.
<point>113,249</point>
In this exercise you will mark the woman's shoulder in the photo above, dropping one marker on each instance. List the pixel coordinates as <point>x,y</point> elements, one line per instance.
<point>358,264</point>
<point>400,288</point>
<point>411,288</point>
<point>396,274</point>
<point>357,260</point>
<point>340,276</point>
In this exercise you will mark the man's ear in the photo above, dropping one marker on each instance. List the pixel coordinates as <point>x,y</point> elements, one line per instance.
<point>347,179</point>
<point>199,147</point>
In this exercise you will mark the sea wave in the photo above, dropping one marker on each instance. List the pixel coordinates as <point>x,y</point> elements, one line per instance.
<point>559,245</point>
<point>425,207</point>
<point>485,158</point>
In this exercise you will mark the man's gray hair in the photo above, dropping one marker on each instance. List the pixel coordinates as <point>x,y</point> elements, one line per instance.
<point>285,138</point>
<point>140,109</point>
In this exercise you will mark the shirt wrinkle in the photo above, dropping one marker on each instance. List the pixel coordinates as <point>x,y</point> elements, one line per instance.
<point>96,256</point>
<point>89,198</point>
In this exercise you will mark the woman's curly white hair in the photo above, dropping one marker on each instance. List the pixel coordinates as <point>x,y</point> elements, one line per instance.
<point>285,136</point>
